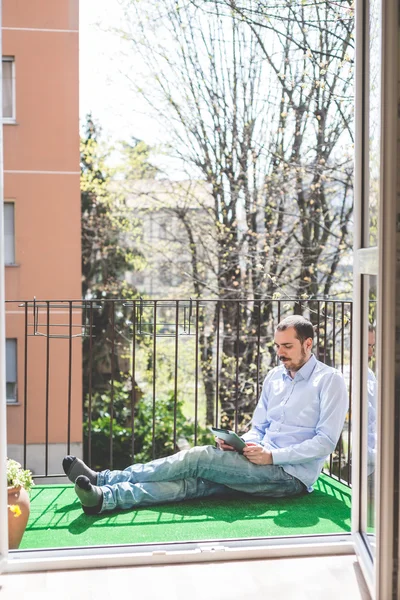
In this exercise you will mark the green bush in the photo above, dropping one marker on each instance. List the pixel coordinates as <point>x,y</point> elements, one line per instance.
<point>143,425</point>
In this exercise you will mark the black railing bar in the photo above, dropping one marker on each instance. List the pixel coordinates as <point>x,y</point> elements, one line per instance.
<point>340,456</point>
<point>173,300</point>
<point>258,348</point>
<point>185,302</point>
<point>237,367</point>
<point>196,376</point>
<point>60,324</point>
<point>36,303</point>
<point>56,336</point>
<point>279,311</point>
<point>69,381</point>
<point>112,386</point>
<point>176,370</point>
<point>75,309</point>
<point>218,315</point>
<point>35,312</point>
<point>166,335</point>
<point>159,323</point>
<point>47,391</point>
<point>90,382</point>
<point>153,442</point>
<point>133,390</point>
<point>25,384</point>
<point>140,314</point>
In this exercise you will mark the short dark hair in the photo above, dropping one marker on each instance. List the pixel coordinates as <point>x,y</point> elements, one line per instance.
<point>303,327</point>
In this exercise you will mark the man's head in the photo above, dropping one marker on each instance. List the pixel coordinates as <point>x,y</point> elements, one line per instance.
<point>293,341</point>
<point>371,341</point>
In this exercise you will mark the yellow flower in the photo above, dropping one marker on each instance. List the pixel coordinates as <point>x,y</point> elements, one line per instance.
<point>15,509</point>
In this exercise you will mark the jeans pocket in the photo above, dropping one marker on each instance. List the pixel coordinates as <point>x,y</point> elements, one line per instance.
<point>286,476</point>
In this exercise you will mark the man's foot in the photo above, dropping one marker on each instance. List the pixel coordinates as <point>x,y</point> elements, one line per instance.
<point>91,496</point>
<point>73,467</point>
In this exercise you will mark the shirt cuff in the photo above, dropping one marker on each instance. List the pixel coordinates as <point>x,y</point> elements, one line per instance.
<point>280,456</point>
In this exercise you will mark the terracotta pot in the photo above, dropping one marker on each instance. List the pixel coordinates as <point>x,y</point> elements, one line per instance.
<point>17,525</point>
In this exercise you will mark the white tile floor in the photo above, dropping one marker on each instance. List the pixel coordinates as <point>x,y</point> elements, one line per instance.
<point>305,578</point>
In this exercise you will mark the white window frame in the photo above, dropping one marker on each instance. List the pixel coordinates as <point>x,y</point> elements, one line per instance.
<point>11,260</point>
<point>380,574</point>
<point>379,571</point>
<point>11,119</point>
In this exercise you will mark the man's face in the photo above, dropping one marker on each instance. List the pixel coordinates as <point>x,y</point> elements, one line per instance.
<point>290,351</point>
<point>371,344</point>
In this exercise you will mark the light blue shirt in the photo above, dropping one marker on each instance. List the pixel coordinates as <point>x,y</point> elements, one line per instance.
<point>371,439</point>
<point>300,420</point>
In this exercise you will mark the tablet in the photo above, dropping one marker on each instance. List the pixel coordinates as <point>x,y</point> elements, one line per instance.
<point>229,437</point>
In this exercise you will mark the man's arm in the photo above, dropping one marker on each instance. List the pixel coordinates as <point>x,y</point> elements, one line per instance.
<point>333,409</point>
<point>254,452</point>
<point>259,422</point>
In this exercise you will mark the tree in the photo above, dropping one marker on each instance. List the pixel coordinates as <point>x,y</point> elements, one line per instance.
<point>108,251</point>
<point>258,105</point>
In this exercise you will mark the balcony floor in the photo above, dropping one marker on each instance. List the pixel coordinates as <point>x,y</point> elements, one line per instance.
<point>57,520</point>
<point>302,578</point>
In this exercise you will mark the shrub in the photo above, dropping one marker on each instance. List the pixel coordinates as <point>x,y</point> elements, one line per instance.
<point>143,426</point>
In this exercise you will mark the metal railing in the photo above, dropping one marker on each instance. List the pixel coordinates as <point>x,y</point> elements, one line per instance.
<point>127,381</point>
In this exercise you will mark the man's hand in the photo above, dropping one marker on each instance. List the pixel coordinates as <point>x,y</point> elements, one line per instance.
<point>223,446</point>
<point>257,454</point>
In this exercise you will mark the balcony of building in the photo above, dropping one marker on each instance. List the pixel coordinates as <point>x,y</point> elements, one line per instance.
<point>118,381</point>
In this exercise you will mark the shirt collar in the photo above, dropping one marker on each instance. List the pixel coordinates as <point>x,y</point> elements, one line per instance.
<point>305,371</point>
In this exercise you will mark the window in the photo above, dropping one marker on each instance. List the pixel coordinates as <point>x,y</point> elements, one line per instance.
<point>11,370</point>
<point>9,233</point>
<point>8,89</point>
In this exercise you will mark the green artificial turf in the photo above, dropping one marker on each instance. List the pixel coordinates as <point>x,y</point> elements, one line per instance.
<point>57,520</point>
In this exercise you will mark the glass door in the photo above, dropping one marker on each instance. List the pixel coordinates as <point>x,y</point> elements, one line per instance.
<point>369,270</point>
<point>375,427</point>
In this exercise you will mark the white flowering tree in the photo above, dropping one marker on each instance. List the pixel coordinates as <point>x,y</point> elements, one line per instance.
<point>257,100</point>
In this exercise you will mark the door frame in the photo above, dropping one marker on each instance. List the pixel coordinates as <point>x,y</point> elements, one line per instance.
<point>380,574</point>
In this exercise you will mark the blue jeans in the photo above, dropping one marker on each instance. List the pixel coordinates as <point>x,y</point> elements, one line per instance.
<point>196,473</point>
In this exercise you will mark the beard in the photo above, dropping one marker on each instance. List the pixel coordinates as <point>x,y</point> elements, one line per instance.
<point>295,366</point>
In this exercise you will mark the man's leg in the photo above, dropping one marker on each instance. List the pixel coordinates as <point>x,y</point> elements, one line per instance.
<point>125,495</point>
<point>73,467</point>
<point>206,462</point>
<point>227,468</point>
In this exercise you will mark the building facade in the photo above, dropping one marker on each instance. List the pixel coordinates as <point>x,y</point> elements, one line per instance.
<point>42,222</point>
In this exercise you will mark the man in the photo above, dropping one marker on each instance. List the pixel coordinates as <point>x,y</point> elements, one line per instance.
<point>296,425</point>
<point>372,385</point>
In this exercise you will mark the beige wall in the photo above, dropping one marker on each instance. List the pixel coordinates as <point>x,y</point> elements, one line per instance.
<point>41,176</point>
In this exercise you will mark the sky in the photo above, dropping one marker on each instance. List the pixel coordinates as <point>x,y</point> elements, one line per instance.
<point>103,61</point>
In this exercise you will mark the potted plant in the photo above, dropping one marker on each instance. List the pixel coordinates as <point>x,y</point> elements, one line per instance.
<point>19,483</point>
